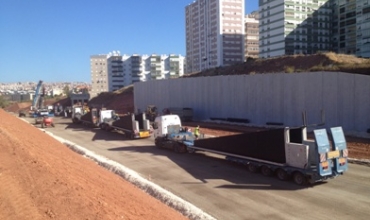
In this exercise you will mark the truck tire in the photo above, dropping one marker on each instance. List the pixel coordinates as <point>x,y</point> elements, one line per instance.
<point>266,171</point>
<point>299,178</point>
<point>252,168</point>
<point>179,148</point>
<point>158,142</point>
<point>282,174</point>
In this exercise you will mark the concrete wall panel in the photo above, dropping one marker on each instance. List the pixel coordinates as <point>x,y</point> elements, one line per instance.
<point>361,103</point>
<point>345,100</point>
<point>261,98</point>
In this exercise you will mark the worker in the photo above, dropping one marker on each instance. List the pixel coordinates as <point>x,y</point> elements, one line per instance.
<point>196,132</point>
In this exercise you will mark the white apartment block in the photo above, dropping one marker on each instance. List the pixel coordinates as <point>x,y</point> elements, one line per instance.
<point>351,27</point>
<point>214,34</point>
<point>294,27</point>
<point>113,71</point>
<point>309,26</point>
<point>251,35</point>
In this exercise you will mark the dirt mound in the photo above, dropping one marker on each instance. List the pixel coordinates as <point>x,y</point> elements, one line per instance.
<point>65,101</point>
<point>16,107</point>
<point>43,179</point>
<point>294,63</point>
<point>25,106</point>
<point>122,101</point>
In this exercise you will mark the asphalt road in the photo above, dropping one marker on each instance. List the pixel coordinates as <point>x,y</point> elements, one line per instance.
<point>225,190</point>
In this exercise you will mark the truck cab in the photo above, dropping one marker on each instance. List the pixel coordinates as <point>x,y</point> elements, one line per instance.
<point>166,123</point>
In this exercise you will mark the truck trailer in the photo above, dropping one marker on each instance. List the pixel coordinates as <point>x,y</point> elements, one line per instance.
<point>91,117</point>
<point>285,152</point>
<point>133,126</point>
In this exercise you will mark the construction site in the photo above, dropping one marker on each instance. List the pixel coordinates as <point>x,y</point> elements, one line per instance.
<point>303,127</point>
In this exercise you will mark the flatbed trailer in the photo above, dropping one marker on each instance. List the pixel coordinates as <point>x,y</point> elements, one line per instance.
<point>131,125</point>
<point>285,152</point>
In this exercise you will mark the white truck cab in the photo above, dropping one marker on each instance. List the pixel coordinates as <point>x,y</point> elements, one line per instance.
<point>107,115</point>
<point>163,124</point>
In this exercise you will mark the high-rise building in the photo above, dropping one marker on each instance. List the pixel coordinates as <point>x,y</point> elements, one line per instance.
<point>294,27</point>
<point>214,34</point>
<point>113,71</point>
<point>251,35</point>
<point>99,74</point>
<point>351,27</point>
<point>311,26</point>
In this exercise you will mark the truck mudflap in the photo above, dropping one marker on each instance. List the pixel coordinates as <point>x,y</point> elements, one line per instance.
<point>144,134</point>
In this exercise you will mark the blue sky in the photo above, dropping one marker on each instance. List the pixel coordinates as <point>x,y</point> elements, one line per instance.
<point>52,40</point>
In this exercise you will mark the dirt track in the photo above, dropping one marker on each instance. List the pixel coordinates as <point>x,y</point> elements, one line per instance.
<point>42,179</point>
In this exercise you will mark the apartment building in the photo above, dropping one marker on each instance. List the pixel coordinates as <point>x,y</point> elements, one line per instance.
<point>113,71</point>
<point>99,74</point>
<point>308,26</point>
<point>294,27</point>
<point>214,34</point>
<point>351,27</point>
<point>251,35</point>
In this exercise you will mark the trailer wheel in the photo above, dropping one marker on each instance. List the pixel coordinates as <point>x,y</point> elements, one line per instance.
<point>52,125</point>
<point>190,150</point>
<point>129,135</point>
<point>252,168</point>
<point>282,174</point>
<point>178,148</point>
<point>266,171</point>
<point>158,143</point>
<point>299,178</point>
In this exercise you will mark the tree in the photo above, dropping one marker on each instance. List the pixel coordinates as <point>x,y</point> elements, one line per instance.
<point>3,102</point>
<point>67,91</point>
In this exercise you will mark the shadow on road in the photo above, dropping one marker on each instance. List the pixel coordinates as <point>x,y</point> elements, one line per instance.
<point>99,134</point>
<point>204,167</point>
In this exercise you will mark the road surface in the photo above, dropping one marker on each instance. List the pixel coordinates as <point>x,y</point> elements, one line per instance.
<point>225,190</point>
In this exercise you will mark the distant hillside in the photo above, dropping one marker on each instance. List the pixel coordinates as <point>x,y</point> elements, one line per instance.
<point>26,106</point>
<point>294,63</point>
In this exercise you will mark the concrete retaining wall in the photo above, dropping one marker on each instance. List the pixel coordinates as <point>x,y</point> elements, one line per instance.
<point>262,98</point>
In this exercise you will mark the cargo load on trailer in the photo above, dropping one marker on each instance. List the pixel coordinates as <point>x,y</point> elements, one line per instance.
<point>133,126</point>
<point>185,114</point>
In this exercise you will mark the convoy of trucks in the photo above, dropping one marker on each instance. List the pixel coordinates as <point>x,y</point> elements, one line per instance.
<point>285,152</point>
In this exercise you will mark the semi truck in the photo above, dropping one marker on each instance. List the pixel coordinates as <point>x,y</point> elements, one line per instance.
<point>131,125</point>
<point>284,152</point>
<point>91,117</point>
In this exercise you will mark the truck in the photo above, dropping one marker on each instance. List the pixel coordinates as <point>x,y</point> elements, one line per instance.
<point>133,126</point>
<point>38,110</point>
<point>90,117</point>
<point>284,152</point>
<point>77,112</point>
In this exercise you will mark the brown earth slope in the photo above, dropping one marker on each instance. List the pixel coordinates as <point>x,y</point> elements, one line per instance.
<point>122,101</point>
<point>295,63</point>
<point>42,179</point>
